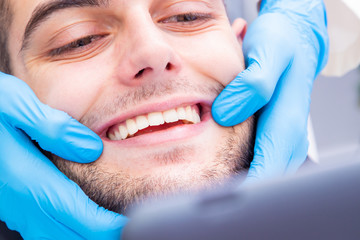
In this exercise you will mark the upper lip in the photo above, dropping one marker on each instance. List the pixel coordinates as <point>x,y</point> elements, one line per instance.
<point>143,109</point>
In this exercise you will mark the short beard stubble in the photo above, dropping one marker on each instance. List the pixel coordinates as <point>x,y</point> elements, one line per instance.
<point>116,191</point>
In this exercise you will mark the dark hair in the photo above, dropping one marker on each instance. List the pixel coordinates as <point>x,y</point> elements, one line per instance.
<point>5,22</point>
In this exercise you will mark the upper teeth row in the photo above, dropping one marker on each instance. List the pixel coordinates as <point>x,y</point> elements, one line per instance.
<point>133,125</point>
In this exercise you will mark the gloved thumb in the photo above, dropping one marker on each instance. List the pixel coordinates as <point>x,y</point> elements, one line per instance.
<point>54,130</point>
<point>246,94</point>
<point>241,98</point>
<point>254,87</point>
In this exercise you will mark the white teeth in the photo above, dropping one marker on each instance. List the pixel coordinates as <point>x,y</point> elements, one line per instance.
<point>156,119</point>
<point>142,122</point>
<point>189,114</point>
<point>111,136</point>
<point>132,126</point>
<point>118,135</point>
<point>181,113</point>
<point>195,116</point>
<point>170,116</point>
<point>123,132</point>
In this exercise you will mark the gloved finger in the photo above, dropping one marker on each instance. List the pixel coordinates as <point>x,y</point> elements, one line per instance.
<point>281,141</point>
<point>245,95</point>
<point>54,130</point>
<point>71,208</point>
<point>45,193</point>
<point>277,155</point>
<point>309,18</point>
<point>254,87</point>
<point>95,222</point>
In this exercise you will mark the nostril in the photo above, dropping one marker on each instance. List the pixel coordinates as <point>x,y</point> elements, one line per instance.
<point>140,73</point>
<point>168,66</point>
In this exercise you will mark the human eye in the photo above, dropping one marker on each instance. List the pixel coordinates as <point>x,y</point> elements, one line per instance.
<point>78,46</point>
<point>188,18</point>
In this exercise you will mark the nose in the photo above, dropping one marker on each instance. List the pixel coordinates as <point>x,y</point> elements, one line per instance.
<point>149,54</point>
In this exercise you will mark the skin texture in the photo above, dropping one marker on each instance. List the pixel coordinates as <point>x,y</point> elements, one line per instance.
<point>5,22</point>
<point>142,57</point>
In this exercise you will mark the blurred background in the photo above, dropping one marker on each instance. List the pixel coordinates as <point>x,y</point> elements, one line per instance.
<point>335,113</point>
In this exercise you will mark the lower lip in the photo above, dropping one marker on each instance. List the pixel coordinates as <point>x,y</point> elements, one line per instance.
<point>174,134</point>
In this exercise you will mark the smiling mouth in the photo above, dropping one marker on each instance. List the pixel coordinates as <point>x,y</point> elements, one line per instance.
<point>155,121</point>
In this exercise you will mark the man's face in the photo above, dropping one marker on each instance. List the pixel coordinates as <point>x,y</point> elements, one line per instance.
<point>142,74</point>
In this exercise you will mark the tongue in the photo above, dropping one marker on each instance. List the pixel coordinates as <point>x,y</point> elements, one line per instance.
<point>158,128</point>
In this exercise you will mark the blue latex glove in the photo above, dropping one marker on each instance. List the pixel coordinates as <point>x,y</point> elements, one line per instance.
<point>285,48</point>
<point>36,199</point>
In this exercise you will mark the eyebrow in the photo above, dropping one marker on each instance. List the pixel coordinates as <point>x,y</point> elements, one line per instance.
<point>44,10</point>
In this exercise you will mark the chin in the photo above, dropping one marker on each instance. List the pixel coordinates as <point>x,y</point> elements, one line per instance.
<point>119,180</point>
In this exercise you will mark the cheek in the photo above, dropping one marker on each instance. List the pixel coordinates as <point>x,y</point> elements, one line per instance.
<point>72,88</point>
<point>223,65</point>
<point>217,57</point>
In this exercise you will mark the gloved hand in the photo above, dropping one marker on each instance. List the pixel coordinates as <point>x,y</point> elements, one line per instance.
<point>285,49</point>
<point>36,199</point>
